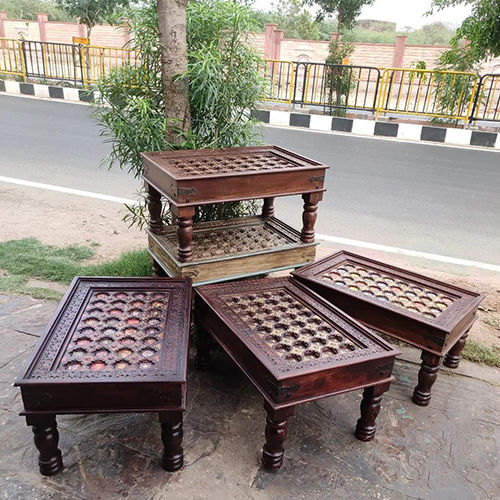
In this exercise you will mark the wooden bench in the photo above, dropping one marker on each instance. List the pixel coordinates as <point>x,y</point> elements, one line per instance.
<point>294,347</point>
<point>113,345</point>
<point>429,314</point>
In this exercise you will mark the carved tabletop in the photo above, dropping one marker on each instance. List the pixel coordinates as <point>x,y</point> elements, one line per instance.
<point>277,330</point>
<point>429,314</point>
<point>195,177</point>
<point>294,347</point>
<point>118,332</point>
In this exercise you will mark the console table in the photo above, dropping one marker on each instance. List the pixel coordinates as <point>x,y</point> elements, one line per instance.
<point>229,249</point>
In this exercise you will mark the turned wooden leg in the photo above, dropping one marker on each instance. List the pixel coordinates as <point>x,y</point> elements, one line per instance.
<point>426,378</point>
<point>185,233</point>
<point>158,271</point>
<point>309,216</point>
<point>203,344</point>
<point>370,407</point>
<point>171,435</point>
<point>452,359</point>
<point>268,208</point>
<point>46,440</point>
<point>155,209</point>
<point>276,426</point>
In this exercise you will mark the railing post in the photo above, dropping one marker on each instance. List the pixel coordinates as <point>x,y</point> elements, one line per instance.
<point>83,65</point>
<point>472,113</point>
<point>22,59</point>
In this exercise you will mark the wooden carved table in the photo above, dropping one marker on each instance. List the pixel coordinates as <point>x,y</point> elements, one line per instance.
<point>295,348</point>
<point>429,314</point>
<point>221,250</point>
<point>113,345</point>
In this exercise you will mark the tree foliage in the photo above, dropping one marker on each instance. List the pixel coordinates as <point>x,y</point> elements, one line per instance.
<point>224,84</point>
<point>28,9</point>
<point>293,17</point>
<point>481,29</point>
<point>345,11</point>
<point>92,12</point>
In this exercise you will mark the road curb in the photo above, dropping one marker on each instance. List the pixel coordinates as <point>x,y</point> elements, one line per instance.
<point>405,131</point>
<point>323,123</point>
<point>48,91</point>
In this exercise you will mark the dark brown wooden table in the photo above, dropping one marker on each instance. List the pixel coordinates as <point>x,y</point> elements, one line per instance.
<point>113,345</point>
<point>429,314</point>
<point>240,247</point>
<point>294,347</point>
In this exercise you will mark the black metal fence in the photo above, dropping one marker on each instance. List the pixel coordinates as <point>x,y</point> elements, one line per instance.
<point>486,105</point>
<point>336,86</point>
<point>53,61</point>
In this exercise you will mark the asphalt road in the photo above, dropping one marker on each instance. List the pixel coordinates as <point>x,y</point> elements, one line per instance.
<point>415,196</point>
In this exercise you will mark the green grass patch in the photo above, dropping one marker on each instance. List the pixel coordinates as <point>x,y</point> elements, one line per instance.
<point>28,258</point>
<point>492,321</point>
<point>479,353</point>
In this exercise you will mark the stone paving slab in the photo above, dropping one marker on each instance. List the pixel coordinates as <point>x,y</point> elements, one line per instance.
<point>448,450</point>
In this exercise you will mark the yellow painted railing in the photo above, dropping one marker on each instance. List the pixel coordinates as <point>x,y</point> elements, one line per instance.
<point>11,58</point>
<point>487,104</point>
<point>442,94</point>
<point>433,93</point>
<point>99,61</point>
<point>281,79</point>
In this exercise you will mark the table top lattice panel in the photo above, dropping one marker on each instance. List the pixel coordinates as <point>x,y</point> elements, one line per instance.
<point>118,331</point>
<point>290,328</point>
<point>224,164</point>
<point>398,292</point>
<point>236,239</point>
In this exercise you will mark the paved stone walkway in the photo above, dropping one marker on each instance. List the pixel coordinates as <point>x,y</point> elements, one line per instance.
<point>448,450</point>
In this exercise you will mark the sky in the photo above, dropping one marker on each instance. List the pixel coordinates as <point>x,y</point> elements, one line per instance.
<point>403,12</point>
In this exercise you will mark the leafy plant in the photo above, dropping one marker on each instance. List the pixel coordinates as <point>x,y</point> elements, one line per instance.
<point>339,80</point>
<point>224,85</point>
<point>92,12</point>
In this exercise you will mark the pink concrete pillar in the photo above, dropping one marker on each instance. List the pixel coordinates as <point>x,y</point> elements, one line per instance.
<point>335,36</point>
<point>269,41</point>
<point>399,51</point>
<point>278,37</point>
<point>127,36</point>
<point>82,29</point>
<point>42,20</point>
<point>3,16</point>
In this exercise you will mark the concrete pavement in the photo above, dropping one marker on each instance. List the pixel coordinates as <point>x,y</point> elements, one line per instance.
<point>448,450</point>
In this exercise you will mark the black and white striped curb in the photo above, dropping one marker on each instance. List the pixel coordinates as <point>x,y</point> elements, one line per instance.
<point>410,131</point>
<point>47,91</point>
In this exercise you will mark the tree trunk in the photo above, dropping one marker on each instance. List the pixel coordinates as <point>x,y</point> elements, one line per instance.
<point>172,26</point>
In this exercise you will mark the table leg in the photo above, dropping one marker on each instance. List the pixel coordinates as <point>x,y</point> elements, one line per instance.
<point>452,359</point>
<point>203,345</point>
<point>171,436</point>
<point>276,428</point>
<point>426,377</point>
<point>185,233</point>
<point>46,440</point>
<point>155,209</point>
<point>268,208</point>
<point>309,216</point>
<point>370,407</point>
